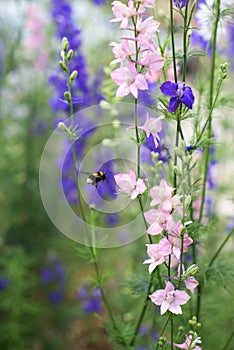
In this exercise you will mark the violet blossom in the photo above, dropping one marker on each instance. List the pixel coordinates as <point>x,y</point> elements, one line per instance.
<point>178,93</point>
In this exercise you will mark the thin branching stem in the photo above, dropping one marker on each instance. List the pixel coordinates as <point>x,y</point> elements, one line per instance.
<point>209,135</point>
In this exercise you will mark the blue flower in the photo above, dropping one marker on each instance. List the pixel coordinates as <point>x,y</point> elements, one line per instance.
<point>178,93</point>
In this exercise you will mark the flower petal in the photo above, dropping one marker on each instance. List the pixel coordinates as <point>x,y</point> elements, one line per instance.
<point>173,104</point>
<point>168,88</point>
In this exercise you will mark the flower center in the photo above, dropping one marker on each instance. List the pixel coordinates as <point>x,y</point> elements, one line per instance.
<point>170,297</point>
<point>179,92</point>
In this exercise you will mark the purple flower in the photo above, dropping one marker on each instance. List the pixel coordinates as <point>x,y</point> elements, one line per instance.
<point>4,282</point>
<point>178,93</point>
<point>62,15</point>
<point>99,2</point>
<point>91,299</point>
<point>55,296</point>
<point>180,3</point>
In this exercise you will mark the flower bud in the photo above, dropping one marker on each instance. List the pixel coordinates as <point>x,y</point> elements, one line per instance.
<point>70,54</point>
<point>191,271</point>
<point>176,170</point>
<point>187,200</point>
<point>62,65</point>
<point>67,96</point>
<point>74,75</point>
<point>62,127</point>
<point>65,44</point>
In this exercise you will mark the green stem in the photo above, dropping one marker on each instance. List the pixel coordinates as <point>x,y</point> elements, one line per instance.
<point>137,139</point>
<point>92,248</point>
<point>228,341</point>
<point>185,41</point>
<point>220,248</point>
<point>209,121</point>
<point>163,329</point>
<point>172,335</point>
<point>73,142</point>
<point>206,155</point>
<point>173,39</point>
<point>142,314</point>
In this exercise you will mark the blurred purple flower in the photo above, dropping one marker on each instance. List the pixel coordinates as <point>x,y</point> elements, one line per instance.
<point>178,93</point>
<point>61,12</point>
<point>56,296</point>
<point>147,97</point>
<point>99,2</point>
<point>91,299</point>
<point>4,282</point>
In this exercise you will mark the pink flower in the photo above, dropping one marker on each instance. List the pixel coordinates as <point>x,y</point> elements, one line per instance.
<point>175,238</point>
<point>152,127</point>
<point>157,220</point>
<point>189,343</point>
<point>191,283</point>
<point>154,63</point>
<point>129,185</point>
<point>147,32</point>
<point>129,80</point>
<point>170,299</point>
<point>145,3</point>
<point>157,253</point>
<point>123,12</point>
<point>121,51</point>
<point>162,195</point>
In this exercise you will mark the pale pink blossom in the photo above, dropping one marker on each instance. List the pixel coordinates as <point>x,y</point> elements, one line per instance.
<point>35,39</point>
<point>152,127</point>
<point>129,185</point>
<point>190,282</point>
<point>129,80</point>
<point>189,343</point>
<point>157,253</point>
<point>175,238</point>
<point>162,195</point>
<point>123,12</point>
<point>144,4</point>
<point>157,220</point>
<point>169,299</point>
<point>147,32</point>
<point>154,63</point>
<point>121,51</point>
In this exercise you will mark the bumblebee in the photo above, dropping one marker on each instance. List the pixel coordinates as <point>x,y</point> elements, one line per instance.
<point>95,178</point>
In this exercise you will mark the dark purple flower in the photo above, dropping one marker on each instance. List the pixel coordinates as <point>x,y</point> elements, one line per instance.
<point>91,299</point>
<point>56,296</point>
<point>92,305</point>
<point>4,282</point>
<point>180,3</point>
<point>178,93</point>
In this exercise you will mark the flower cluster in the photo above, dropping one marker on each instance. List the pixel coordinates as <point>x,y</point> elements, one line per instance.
<point>91,299</point>
<point>61,12</point>
<point>174,242</point>
<point>52,276</point>
<point>137,53</point>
